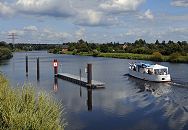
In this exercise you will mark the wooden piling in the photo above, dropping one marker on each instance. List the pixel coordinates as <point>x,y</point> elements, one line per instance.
<point>89,74</point>
<point>80,72</point>
<point>38,69</point>
<point>26,59</point>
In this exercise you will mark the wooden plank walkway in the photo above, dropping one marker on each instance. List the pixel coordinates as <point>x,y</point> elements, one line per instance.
<point>83,82</point>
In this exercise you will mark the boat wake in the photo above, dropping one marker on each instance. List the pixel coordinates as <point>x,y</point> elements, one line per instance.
<point>177,84</point>
<point>172,83</point>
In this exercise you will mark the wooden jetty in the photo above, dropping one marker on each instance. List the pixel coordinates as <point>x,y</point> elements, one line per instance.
<point>80,81</point>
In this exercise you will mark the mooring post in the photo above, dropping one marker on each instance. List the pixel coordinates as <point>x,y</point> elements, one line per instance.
<point>55,64</point>
<point>38,69</point>
<point>26,65</point>
<point>80,83</point>
<point>89,74</point>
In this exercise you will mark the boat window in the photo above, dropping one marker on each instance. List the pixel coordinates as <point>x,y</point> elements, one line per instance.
<point>150,71</point>
<point>161,71</point>
<point>164,71</point>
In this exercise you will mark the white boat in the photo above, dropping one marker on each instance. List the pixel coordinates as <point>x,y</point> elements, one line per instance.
<point>156,73</point>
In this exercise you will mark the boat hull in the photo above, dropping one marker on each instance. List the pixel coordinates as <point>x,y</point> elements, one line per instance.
<point>150,77</point>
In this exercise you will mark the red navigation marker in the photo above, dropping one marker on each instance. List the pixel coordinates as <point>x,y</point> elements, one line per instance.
<point>55,63</point>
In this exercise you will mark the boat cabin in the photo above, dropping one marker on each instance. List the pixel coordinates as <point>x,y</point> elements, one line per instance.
<point>150,69</point>
<point>158,69</point>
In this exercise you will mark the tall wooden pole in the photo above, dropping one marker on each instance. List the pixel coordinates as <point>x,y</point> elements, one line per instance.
<point>26,59</point>
<point>38,69</point>
<point>89,74</point>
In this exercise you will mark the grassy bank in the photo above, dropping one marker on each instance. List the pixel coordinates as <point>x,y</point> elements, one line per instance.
<point>154,57</point>
<point>25,109</point>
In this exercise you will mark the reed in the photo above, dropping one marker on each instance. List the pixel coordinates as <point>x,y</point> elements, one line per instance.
<point>25,109</point>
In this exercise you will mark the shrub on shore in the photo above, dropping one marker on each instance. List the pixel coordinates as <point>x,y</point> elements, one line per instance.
<point>157,56</point>
<point>175,57</point>
<point>26,109</point>
<point>95,53</point>
<point>5,53</point>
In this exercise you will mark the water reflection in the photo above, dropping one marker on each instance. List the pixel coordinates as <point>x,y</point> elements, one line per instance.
<point>55,87</point>
<point>89,93</point>
<point>80,91</point>
<point>89,99</point>
<point>170,99</point>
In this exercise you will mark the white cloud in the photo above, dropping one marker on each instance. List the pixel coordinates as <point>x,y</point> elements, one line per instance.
<point>95,18</point>
<point>5,10</point>
<point>52,35</point>
<point>121,5</point>
<point>175,33</point>
<point>17,32</point>
<point>82,12</point>
<point>89,17</point>
<point>55,8</point>
<point>179,30</point>
<point>180,3</point>
<point>147,15</point>
<point>30,28</point>
<point>80,34</point>
<point>33,34</point>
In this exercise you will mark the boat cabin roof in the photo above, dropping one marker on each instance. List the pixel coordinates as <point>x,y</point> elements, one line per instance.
<point>143,65</point>
<point>149,66</point>
<point>156,66</point>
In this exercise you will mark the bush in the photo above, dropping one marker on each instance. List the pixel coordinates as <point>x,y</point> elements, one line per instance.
<point>156,56</point>
<point>142,50</point>
<point>74,52</point>
<point>5,53</point>
<point>26,109</point>
<point>95,53</point>
<point>174,57</point>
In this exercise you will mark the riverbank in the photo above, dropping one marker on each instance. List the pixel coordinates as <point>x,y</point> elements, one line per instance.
<point>176,57</point>
<point>25,108</point>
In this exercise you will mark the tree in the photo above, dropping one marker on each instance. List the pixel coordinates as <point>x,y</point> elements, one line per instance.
<point>81,41</point>
<point>157,42</point>
<point>104,48</point>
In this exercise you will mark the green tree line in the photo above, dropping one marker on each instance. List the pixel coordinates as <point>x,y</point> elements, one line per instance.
<point>165,51</point>
<point>138,47</point>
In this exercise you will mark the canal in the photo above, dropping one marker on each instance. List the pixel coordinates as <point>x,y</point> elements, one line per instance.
<point>126,103</point>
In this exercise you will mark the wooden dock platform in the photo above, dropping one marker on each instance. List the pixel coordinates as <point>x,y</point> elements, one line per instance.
<point>83,82</point>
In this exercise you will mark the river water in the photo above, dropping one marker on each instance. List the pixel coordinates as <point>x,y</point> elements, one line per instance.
<point>126,103</point>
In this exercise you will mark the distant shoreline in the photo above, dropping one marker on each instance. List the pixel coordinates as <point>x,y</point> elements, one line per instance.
<point>178,59</point>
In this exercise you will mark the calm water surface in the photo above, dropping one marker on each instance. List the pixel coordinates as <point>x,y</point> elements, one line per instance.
<point>125,103</point>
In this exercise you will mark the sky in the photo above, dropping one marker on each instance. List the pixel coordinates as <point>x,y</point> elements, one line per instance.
<point>58,21</point>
